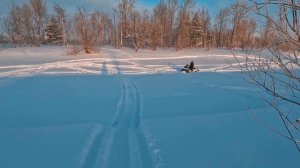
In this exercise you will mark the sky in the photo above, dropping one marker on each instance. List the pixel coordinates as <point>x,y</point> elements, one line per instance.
<point>106,5</point>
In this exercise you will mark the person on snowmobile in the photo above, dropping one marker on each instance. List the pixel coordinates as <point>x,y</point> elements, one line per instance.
<point>192,66</point>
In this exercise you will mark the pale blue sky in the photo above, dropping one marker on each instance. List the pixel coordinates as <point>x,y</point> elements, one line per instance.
<point>106,5</point>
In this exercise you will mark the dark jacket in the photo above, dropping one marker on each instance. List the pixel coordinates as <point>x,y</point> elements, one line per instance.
<point>192,66</point>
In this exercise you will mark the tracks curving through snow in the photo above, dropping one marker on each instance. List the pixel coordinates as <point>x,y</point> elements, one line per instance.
<point>125,143</point>
<point>128,63</point>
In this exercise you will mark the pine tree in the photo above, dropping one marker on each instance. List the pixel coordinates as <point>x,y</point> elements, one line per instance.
<point>53,32</point>
<point>183,36</point>
<point>196,31</point>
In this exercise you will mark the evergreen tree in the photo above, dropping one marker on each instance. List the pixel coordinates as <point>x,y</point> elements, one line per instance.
<point>53,32</point>
<point>183,36</point>
<point>196,31</point>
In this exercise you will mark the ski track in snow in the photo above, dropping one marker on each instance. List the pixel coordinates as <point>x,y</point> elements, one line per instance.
<point>125,143</point>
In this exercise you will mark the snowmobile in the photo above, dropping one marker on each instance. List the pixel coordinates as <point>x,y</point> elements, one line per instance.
<point>185,69</point>
<point>189,68</point>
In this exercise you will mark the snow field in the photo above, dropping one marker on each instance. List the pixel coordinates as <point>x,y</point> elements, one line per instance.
<point>124,109</point>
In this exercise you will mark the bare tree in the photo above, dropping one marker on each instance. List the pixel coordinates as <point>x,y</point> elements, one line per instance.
<point>87,27</point>
<point>24,24</point>
<point>238,12</point>
<point>245,34</point>
<point>165,14</point>
<point>126,7</point>
<point>221,20</point>
<point>141,29</point>
<point>154,35</point>
<point>205,19</point>
<point>265,33</point>
<point>135,35</point>
<point>107,29</point>
<point>39,12</point>
<point>13,25</point>
<point>250,39</point>
<point>277,71</point>
<point>61,17</point>
<point>27,24</point>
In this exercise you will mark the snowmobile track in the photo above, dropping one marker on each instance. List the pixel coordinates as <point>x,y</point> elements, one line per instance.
<point>124,144</point>
<point>89,153</point>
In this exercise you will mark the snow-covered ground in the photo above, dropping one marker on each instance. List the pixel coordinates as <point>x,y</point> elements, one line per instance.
<point>121,109</point>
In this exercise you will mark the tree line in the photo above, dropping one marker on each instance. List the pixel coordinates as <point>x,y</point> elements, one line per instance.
<point>171,23</point>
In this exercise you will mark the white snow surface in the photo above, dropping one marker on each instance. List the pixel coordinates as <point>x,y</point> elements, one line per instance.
<point>125,109</point>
